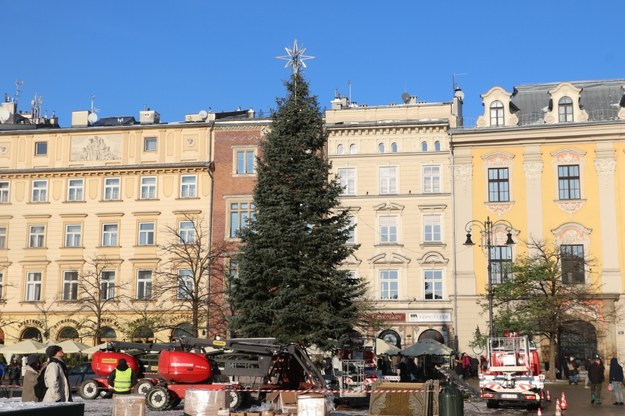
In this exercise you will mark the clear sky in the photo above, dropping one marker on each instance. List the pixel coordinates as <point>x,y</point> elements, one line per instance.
<point>180,57</point>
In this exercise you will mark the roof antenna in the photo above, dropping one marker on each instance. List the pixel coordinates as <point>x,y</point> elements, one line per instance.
<point>455,86</point>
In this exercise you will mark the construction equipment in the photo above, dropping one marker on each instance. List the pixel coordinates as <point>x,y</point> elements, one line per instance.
<point>105,361</point>
<point>242,366</point>
<point>513,373</point>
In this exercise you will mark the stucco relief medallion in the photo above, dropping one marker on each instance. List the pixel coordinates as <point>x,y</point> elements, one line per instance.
<point>605,167</point>
<point>499,208</point>
<point>570,207</point>
<point>4,149</point>
<point>532,170</point>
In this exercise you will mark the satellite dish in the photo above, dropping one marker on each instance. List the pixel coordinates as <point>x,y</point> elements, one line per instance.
<point>203,114</point>
<point>93,117</point>
<point>405,98</point>
<point>4,115</point>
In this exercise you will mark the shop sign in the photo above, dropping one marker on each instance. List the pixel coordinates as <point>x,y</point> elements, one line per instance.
<point>429,316</point>
<point>390,316</point>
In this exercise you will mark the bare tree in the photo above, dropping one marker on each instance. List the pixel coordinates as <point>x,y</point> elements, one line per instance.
<point>192,272</point>
<point>149,315</point>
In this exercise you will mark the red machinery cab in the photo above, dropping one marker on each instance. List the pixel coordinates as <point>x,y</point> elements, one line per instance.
<point>104,363</point>
<point>184,367</point>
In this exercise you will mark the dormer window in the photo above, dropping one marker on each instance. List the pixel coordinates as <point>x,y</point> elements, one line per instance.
<point>496,114</point>
<point>565,110</point>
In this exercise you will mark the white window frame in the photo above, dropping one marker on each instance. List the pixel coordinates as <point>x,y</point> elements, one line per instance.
<point>188,186</point>
<point>112,189</point>
<point>148,187</point>
<point>353,150</point>
<point>239,213</point>
<point>388,180</point>
<point>389,284</point>
<point>39,191</point>
<point>75,189</point>
<point>144,284</point>
<point>432,228</point>
<point>36,236</point>
<point>150,144</point>
<point>436,279</point>
<point>70,285</point>
<point>431,179</point>
<point>33,286</point>
<point>73,235</point>
<point>110,237</point>
<point>5,187</point>
<point>340,150</point>
<point>496,111</point>
<point>107,284</point>
<point>3,237</point>
<point>186,284</point>
<point>389,229</point>
<point>186,231</point>
<point>245,161</point>
<point>347,180</point>
<point>147,233</point>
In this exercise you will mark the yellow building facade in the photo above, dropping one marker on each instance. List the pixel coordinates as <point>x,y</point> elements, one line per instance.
<point>545,163</point>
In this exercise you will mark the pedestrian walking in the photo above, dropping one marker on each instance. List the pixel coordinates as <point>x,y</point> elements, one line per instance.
<point>15,372</point>
<point>31,372</point>
<point>56,376</point>
<point>122,379</point>
<point>596,375</point>
<point>573,370</point>
<point>616,381</point>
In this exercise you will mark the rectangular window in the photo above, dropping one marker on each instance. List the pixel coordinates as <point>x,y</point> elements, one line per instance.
<point>432,179</point>
<point>500,264</point>
<point>40,191</point>
<point>568,182</point>
<point>109,235</point>
<point>186,284</point>
<point>107,285</point>
<point>41,148</point>
<point>149,144</point>
<point>33,287</point>
<point>148,187</point>
<point>188,186</point>
<point>240,215</point>
<point>4,192</point>
<point>187,232</point>
<point>146,233</point>
<point>144,284</point>
<point>572,258</point>
<point>498,185</point>
<point>389,284</point>
<point>3,237</point>
<point>388,230</point>
<point>245,162</point>
<point>347,180</point>
<point>388,180</point>
<point>75,190</point>
<point>70,285</point>
<point>72,235</point>
<point>112,189</point>
<point>36,236</point>
<point>432,229</point>
<point>433,284</point>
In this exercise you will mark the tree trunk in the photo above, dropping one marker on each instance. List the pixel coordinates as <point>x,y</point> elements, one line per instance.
<point>551,374</point>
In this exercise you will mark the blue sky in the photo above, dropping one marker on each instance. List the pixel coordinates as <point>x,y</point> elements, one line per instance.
<point>179,57</point>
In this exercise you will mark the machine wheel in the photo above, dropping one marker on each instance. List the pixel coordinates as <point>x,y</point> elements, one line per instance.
<point>492,404</point>
<point>89,389</point>
<point>143,386</point>
<point>234,399</point>
<point>158,398</point>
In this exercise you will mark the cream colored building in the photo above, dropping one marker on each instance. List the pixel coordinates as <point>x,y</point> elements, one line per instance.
<point>549,160</point>
<point>394,164</point>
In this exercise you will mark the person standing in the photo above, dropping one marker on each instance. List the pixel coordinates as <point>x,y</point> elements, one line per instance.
<point>616,379</point>
<point>56,376</point>
<point>596,376</point>
<point>15,372</point>
<point>31,372</point>
<point>573,370</point>
<point>122,378</point>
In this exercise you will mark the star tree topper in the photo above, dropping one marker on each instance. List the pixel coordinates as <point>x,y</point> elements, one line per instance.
<point>295,57</point>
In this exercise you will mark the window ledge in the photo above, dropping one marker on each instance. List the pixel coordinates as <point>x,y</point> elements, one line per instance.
<point>388,245</point>
<point>438,244</point>
<point>75,202</point>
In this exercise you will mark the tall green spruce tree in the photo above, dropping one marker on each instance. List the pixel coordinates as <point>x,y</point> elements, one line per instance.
<point>289,285</point>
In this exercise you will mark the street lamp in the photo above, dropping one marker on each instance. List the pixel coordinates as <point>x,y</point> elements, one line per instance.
<point>486,229</point>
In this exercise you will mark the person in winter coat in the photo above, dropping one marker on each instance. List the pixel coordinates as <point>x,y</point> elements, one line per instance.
<point>3,371</point>
<point>15,372</point>
<point>596,375</point>
<point>56,376</point>
<point>616,379</point>
<point>30,378</point>
<point>122,378</point>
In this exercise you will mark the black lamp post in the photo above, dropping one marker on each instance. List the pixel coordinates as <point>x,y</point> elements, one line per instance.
<point>486,229</point>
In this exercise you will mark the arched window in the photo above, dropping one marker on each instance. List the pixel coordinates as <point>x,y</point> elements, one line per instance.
<point>31,333</point>
<point>565,110</point>
<point>381,148</point>
<point>424,146</point>
<point>143,333</point>
<point>185,329</point>
<point>67,333</point>
<point>437,146</point>
<point>432,334</point>
<point>339,149</point>
<point>107,334</point>
<point>394,147</point>
<point>352,149</point>
<point>496,113</point>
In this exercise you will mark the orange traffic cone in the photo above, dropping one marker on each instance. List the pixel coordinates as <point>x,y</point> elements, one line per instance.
<point>542,395</point>
<point>558,409</point>
<point>548,396</point>
<point>563,404</point>
<point>539,413</point>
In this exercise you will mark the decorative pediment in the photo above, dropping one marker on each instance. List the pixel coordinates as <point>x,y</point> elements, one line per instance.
<point>565,89</point>
<point>494,95</point>
<point>388,206</point>
<point>432,257</point>
<point>498,159</point>
<point>567,156</point>
<point>352,260</point>
<point>572,233</point>
<point>389,258</point>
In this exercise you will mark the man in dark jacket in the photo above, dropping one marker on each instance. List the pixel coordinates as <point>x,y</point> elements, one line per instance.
<point>122,379</point>
<point>596,375</point>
